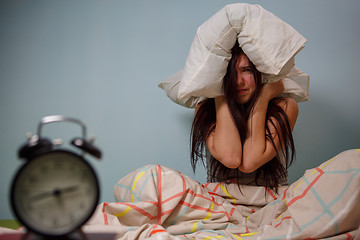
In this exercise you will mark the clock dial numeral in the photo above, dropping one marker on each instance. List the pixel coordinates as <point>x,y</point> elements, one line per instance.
<point>43,169</point>
<point>33,179</point>
<point>82,205</point>
<point>71,218</point>
<point>41,215</point>
<point>55,223</point>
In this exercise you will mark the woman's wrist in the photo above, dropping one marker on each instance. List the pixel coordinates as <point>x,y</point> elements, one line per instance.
<point>271,90</point>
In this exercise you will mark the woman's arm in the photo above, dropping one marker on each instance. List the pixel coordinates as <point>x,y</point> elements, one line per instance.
<point>224,142</point>
<point>257,150</point>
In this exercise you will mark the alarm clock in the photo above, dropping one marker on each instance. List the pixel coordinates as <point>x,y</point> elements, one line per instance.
<point>56,191</point>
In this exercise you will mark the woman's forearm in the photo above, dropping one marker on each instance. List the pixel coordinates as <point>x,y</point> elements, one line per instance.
<point>225,143</point>
<point>254,148</point>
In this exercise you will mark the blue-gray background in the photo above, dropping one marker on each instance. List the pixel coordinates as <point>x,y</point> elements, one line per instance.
<point>101,61</point>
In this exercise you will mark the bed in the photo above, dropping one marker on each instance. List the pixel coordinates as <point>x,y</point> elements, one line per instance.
<point>156,202</point>
<point>160,203</point>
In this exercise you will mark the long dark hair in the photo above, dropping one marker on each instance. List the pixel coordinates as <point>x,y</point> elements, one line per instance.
<point>271,173</point>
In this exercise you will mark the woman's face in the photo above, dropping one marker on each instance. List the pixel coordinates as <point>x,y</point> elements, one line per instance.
<point>245,79</point>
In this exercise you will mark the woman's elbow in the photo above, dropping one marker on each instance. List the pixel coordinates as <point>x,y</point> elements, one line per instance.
<point>230,161</point>
<point>251,163</point>
<point>247,167</point>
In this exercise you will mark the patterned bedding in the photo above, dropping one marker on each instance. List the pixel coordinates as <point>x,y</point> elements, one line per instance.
<point>155,202</point>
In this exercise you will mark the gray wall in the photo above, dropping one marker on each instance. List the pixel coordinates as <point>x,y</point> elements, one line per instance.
<point>101,61</point>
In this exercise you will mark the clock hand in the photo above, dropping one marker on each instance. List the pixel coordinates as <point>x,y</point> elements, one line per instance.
<point>41,196</point>
<point>56,193</point>
<point>68,189</point>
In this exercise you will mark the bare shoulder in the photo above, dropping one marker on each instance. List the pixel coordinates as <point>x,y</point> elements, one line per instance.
<point>288,104</point>
<point>291,109</point>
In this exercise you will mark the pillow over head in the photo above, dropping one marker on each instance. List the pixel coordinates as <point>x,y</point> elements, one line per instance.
<point>269,43</point>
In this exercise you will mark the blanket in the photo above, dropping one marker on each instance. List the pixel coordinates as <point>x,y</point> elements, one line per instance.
<point>156,202</point>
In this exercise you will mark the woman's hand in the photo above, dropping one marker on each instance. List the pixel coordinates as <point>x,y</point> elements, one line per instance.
<point>271,90</point>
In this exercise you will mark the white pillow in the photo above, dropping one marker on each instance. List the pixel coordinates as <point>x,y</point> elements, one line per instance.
<point>269,43</point>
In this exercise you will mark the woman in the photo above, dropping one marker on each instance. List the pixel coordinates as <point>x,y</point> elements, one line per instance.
<point>248,134</point>
<point>248,131</point>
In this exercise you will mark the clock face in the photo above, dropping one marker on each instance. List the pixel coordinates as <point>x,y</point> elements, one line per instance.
<point>55,193</point>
